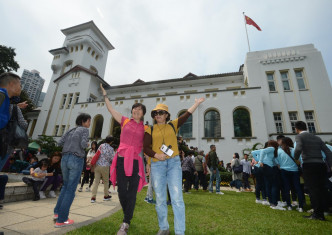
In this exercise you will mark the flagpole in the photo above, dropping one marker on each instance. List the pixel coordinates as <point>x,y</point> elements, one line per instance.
<point>245,25</point>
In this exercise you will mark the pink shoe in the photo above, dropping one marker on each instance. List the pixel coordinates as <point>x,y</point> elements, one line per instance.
<point>64,224</point>
<point>55,216</point>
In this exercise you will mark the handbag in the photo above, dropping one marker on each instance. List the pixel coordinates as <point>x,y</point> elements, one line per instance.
<point>17,136</point>
<point>238,169</point>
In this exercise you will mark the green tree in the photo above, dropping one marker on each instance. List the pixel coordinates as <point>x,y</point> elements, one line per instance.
<point>7,61</point>
<point>48,144</point>
<point>254,147</point>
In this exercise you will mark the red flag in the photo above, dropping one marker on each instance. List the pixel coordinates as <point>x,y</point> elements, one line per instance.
<point>251,22</point>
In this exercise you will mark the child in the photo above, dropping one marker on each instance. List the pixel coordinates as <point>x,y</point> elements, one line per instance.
<point>33,163</point>
<point>38,176</point>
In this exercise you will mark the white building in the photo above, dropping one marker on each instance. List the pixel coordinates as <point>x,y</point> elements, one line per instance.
<point>272,90</point>
<point>33,84</point>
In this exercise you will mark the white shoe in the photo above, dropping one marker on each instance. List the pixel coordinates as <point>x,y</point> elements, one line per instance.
<point>266,203</point>
<point>52,194</point>
<point>220,193</point>
<point>277,208</point>
<point>42,195</point>
<point>289,208</point>
<point>326,213</point>
<point>259,201</point>
<point>238,191</point>
<point>80,189</point>
<point>311,211</point>
<point>282,204</point>
<point>299,209</point>
<point>295,203</point>
<point>87,189</point>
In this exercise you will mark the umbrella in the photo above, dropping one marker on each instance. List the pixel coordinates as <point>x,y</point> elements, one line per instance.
<point>33,146</point>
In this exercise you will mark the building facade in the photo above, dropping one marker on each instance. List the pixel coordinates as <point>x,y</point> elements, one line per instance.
<point>32,84</point>
<point>270,92</point>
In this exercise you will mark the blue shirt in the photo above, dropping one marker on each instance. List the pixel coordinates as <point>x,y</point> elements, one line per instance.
<point>267,157</point>
<point>285,162</point>
<point>256,154</point>
<point>4,109</point>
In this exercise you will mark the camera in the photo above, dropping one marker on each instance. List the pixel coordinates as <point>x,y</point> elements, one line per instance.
<point>167,150</point>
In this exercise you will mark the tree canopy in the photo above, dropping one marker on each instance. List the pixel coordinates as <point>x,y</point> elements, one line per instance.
<point>7,61</point>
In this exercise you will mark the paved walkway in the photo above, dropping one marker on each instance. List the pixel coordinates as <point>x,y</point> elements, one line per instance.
<point>29,217</point>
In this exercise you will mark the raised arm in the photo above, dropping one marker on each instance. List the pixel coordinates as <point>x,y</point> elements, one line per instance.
<point>116,115</point>
<point>197,103</point>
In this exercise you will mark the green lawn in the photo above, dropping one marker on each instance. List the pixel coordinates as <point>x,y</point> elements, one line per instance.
<point>232,213</point>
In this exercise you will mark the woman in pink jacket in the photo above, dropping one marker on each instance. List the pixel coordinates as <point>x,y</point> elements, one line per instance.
<point>127,167</point>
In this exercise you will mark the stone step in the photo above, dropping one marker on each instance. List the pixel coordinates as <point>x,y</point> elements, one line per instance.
<point>18,191</point>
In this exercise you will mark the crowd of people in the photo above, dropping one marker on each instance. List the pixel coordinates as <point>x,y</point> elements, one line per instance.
<point>173,169</point>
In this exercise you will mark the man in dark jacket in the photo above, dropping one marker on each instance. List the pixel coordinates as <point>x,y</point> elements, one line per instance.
<point>314,167</point>
<point>213,166</point>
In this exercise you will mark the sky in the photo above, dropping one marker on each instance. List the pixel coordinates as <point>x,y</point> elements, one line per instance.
<point>157,40</point>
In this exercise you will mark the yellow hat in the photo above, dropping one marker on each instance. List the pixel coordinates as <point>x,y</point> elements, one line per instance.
<point>161,107</point>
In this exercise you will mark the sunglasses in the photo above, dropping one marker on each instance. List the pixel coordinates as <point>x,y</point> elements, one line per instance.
<point>161,112</point>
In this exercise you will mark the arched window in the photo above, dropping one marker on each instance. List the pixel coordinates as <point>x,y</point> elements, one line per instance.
<point>242,125</point>
<point>97,127</point>
<point>186,130</point>
<point>212,127</point>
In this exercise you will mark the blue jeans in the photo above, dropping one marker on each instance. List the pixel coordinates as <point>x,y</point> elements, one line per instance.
<point>3,161</point>
<point>71,167</point>
<point>169,173</point>
<point>260,187</point>
<point>212,177</point>
<point>289,177</point>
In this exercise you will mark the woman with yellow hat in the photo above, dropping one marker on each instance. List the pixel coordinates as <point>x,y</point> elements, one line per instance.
<point>160,143</point>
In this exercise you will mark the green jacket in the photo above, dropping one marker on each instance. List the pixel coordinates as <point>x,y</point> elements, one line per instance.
<point>213,160</point>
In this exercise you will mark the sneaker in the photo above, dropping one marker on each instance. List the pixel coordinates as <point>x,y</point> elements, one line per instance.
<point>146,199</point>
<point>220,193</point>
<point>55,216</point>
<point>64,224</point>
<point>259,201</point>
<point>295,203</point>
<point>266,203</point>
<point>107,198</point>
<point>209,192</point>
<point>238,191</point>
<point>80,189</point>
<point>93,200</point>
<point>52,194</point>
<point>289,208</point>
<point>42,195</point>
<point>163,232</point>
<point>87,189</point>
<point>299,209</point>
<point>326,213</point>
<point>277,208</point>
<point>311,211</point>
<point>123,229</point>
<point>151,201</point>
<point>282,204</point>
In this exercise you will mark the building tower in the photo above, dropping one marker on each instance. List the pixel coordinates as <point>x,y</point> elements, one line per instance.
<point>32,84</point>
<point>78,67</point>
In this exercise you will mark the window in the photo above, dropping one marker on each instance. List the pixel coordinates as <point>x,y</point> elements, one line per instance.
<point>310,118</point>
<point>270,80</point>
<point>64,98</point>
<point>81,47</point>
<point>56,129</point>
<point>300,79</point>
<point>77,97</point>
<point>293,120</point>
<point>212,127</point>
<point>76,48</point>
<point>278,122</point>
<point>186,130</point>
<point>285,81</point>
<point>92,98</point>
<point>93,53</point>
<point>70,100</point>
<point>63,128</point>
<point>242,124</point>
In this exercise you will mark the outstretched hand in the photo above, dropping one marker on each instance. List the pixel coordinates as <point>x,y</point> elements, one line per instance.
<point>102,89</point>
<point>200,100</point>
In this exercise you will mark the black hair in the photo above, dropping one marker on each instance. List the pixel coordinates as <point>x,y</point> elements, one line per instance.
<point>34,157</point>
<point>280,137</point>
<point>212,145</point>
<point>83,117</point>
<point>109,139</point>
<point>95,143</point>
<point>44,164</point>
<point>167,119</point>
<point>237,155</point>
<point>289,142</point>
<point>265,145</point>
<point>285,144</point>
<point>139,105</point>
<point>7,77</point>
<point>302,126</point>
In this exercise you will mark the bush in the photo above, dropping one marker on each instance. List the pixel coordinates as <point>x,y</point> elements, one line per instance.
<point>225,178</point>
